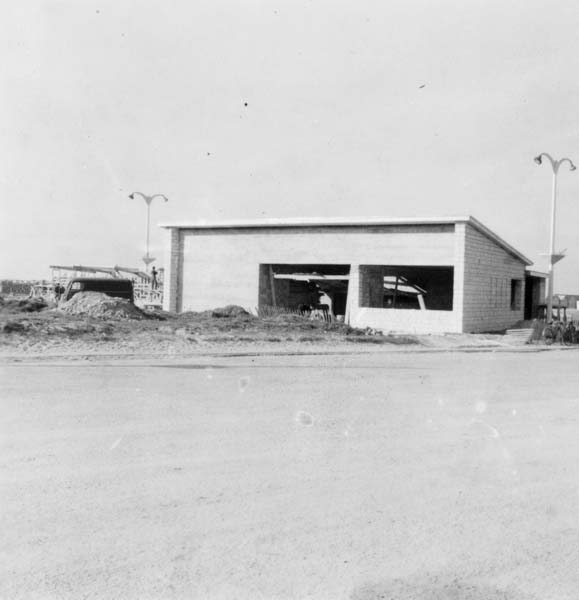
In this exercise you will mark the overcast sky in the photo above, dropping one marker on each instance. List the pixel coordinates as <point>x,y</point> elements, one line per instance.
<point>249,109</point>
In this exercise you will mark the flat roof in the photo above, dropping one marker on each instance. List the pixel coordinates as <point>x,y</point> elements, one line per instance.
<point>347,222</point>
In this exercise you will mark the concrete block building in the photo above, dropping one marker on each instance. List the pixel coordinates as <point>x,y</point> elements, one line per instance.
<point>399,275</point>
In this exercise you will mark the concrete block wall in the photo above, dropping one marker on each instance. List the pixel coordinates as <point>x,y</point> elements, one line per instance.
<point>406,320</point>
<point>221,266</point>
<point>459,267</point>
<point>486,292</point>
<point>353,298</point>
<point>172,273</point>
<point>213,267</point>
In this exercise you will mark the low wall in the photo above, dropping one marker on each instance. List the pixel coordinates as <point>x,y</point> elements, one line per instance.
<point>407,320</point>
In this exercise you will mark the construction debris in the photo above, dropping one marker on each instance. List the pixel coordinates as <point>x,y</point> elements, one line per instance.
<point>101,306</point>
<point>231,310</point>
<point>22,305</point>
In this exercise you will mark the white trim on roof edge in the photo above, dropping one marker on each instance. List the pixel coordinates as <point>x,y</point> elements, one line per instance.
<point>348,221</point>
<point>313,222</point>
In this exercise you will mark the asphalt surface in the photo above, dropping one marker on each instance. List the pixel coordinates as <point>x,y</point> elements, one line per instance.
<point>396,476</point>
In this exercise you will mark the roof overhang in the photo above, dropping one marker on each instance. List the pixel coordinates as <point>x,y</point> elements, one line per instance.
<point>538,274</point>
<point>313,222</point>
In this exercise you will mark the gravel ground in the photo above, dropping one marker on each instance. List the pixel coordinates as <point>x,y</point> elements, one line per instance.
<point>94,325</point>
<point>399,476</point>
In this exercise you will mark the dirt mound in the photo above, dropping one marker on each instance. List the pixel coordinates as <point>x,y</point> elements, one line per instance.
<point>25,305</point>
<point>287,318</point>
<point>101,306</point>
<point>231,310</point>
<point>14,327</point>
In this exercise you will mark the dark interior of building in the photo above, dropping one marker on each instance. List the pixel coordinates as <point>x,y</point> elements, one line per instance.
<point>404,287</point>
<point>292,286</point>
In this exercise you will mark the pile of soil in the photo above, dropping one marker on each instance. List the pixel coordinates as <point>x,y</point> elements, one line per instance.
<point>101,306</point>
<point>25,305</point>
<point>93,323</point>
<point>229,311</point>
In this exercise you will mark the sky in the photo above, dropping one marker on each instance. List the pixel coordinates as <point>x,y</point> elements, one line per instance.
<point>281,108</point>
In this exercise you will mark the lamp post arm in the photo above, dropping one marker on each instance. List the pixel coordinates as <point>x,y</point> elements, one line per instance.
<point>554,163</point>
<point>146,198</point>
<point>572,167</point>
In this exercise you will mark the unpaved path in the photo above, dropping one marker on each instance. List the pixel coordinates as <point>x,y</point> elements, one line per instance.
<point>397,475</point>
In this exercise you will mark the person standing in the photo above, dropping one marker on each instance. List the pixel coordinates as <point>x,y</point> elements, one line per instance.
<point>58,291</point>
<point>325,303</point>
<point>154,282</point>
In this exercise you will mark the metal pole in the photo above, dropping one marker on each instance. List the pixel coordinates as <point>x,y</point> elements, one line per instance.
<point>148,225</point>
<point>555,164</point>
<point>551,280</point>
<point>148,199</point>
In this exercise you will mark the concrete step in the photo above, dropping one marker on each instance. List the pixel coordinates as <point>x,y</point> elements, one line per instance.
<point>519,336</point>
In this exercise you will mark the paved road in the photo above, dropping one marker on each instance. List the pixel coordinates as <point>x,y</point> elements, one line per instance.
<point>406,476</point>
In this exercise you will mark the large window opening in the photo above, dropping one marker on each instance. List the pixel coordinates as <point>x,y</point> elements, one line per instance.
<point>401,287</point>
<point>303,287</point>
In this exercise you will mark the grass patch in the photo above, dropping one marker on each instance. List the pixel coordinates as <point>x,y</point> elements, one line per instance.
<point>308,338</point>
<point>396,340</point>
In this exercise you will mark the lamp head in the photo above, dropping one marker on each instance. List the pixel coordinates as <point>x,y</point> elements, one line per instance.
<point>538,159</point>
<point>573,167</point>
<point>132,196</point>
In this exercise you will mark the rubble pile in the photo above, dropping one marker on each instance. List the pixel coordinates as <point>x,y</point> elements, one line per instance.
<point>231,310</point>
<point>22,305</point>
<point>101,306</point>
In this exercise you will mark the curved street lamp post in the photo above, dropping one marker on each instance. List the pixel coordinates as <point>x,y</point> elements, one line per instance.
<point>147,259</point>
<point>553,258</point>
